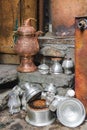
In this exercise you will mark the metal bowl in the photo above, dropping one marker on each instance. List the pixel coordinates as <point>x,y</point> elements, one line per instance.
<point>71,112</point>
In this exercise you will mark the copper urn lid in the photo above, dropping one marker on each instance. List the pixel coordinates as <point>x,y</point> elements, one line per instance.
<point>26,28</point>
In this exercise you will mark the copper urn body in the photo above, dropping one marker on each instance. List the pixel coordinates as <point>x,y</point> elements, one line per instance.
<point>27,46</point>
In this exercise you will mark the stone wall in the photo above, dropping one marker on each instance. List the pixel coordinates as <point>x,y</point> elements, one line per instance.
<point>52,47</point>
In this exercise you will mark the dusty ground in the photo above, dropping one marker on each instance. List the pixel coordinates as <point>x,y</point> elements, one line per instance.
<point>17,122</point>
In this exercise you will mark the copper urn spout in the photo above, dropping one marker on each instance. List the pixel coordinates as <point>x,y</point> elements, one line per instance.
<point>27,46</point>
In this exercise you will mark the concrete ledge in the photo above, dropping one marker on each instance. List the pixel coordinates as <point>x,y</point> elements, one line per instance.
<point>59,80</point>
<point>8,73</point>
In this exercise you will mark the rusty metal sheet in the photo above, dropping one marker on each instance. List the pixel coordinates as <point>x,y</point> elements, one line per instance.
<point>63,13</point>
<point>81,61</point>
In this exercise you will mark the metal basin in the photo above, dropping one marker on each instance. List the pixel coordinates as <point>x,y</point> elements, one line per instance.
<point>71,112</point>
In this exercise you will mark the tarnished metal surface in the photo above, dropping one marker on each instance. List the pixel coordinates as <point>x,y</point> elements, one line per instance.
<point>27,46</point>
<point>81,62</point>
<point>63,13</point>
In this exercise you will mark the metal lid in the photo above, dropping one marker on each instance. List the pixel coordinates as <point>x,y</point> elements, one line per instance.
<point>43,67</point>
<point>26,28</point>
<point>71,112</point>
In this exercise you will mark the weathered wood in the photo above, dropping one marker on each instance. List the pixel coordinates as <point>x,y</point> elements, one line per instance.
<point>9,14</point>
<point>28,10</point>
<point>14,59</point>
<point>12,14</point>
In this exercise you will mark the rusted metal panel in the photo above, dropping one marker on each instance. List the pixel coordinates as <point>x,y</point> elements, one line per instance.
<point>81,60</point>
<point>63,13</point>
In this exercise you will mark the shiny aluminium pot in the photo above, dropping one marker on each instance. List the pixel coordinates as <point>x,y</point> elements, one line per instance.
<point>56,68</point>
<point>39,116</point>
<point>43,69</point>
<point>32,91</point>
<point>68,66</point>
<point>71,112</point>
<point>51,88</point>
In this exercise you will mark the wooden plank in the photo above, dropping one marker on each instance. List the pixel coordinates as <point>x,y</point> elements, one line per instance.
<point>28,10</point>
<point>9,15</point>
<point>9,59</point>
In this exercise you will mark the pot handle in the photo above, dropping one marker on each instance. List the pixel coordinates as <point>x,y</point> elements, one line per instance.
<point>38,33</point>
<point>27,22</point>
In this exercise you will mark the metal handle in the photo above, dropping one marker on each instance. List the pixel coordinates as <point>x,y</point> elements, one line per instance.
<point>82,25</point>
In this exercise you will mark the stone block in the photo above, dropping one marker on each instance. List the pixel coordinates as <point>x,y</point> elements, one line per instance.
<point>59,80</point>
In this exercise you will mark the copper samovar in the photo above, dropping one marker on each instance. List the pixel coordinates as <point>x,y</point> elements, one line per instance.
<point>27,46</point>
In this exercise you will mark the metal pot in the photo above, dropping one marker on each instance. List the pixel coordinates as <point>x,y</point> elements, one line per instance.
<point>32,91</point>
<point>39,117</point>
<point>50,88</point>
<point>57,99</point>
<point>71,112</point>
<point>14,102</point>
<point>27,46</point>
<point>56,68</point>
<point>43,69</point>
<point>68,66</point>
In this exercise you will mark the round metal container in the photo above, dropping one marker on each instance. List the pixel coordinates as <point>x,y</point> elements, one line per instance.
<point>43,69</point>
<point>56,68</point>
<point>32,91</point>
<point>71,112</point>
<point>39,117</point>
<point>50,88</point>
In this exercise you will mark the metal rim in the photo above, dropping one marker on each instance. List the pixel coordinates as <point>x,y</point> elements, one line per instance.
<point>41,117</point>
<point>33,95</point>
<point>39,124</point>
<point>69,103</point>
